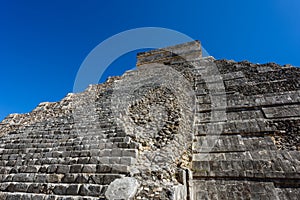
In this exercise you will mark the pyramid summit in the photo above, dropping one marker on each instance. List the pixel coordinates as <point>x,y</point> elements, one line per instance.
<point>180,127</point>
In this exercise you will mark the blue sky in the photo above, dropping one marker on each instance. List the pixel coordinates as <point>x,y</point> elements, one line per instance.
<point>43,43</point>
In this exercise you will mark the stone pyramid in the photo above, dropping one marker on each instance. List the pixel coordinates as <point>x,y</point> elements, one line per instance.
<point>180,127</point>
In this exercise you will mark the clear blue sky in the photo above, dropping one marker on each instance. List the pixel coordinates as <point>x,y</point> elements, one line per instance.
<point>43,43</point>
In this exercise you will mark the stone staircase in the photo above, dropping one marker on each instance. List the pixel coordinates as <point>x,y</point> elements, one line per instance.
<point>77,163</point>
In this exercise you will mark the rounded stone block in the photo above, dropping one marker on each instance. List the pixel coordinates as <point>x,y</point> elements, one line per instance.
<point>123,188</point>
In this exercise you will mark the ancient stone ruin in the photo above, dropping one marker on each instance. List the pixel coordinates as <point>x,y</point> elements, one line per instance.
<point>180,127</point>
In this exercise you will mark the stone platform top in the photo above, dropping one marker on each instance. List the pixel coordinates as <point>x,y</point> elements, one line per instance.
<point>181,127</point>
<point>178,53</point>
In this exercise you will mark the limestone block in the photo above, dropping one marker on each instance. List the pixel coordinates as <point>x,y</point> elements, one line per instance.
<point>124,188</point>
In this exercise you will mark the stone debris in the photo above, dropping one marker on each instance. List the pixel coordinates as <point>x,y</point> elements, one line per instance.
<point>181,127</point>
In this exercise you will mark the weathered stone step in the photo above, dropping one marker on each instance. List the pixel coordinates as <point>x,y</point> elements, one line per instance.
<point>107,145</point>
<point>97,137</point>
<point>113,152</point>
<point>97,141</point>
<point>184,52</point>
<point>238,126</point>
<point>232,143</point>
<point>247,169</point>
<point>288,193</point>
<point>259,143</point>
<point>292,156</point>
<point>268,87</point>
<point>282,111</point>
<point>34,141</point>
<point>225,77</point>
<point>30,145</point>
<point>233,189</point>
<point>206,117</point>
<point>124,160</point>
<point>238,101</point>
<point>63,169</point>
<point>29,196</point>
<point>31,140</point>
<point>279,98</point>
<point>220,143</point>
<point>55,149</point>
<point>222,156</point>
<point>92,178</point>
<point>64,190</point>
<point>71,134</point>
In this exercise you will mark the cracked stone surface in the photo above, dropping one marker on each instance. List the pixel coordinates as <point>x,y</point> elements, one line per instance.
<point>124,188</point>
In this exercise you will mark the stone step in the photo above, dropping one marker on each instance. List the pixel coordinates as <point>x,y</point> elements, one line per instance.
<point>237,101</point>
<point>63,169</point>
<point>233,189</point>
<point>113,152</point>
<point>92,178</point>
<point>206,117</point>
<point>44,143</point>
<point>29,140</point>
<point>221,143</point>
<point>288,193</point>
<point>170,54</point>
<point>107,145</point>
<point>222,156</point>
<point>124,160</point>
<point>247,169</point>
<point>234,127</point>
<point>47,135</point>
<point>225,77</point>
<point>57,152</point>
<point>280,98</point>
<point>231,143</point>
<point>95,131</point>
<point>259,154</point>
<point>101,139</point>
<point>253,88</point>
<point>29,196</point>
<point>259,143</point>
<point>30,145</point>
<point>282,111</point>
<point>51,191</point>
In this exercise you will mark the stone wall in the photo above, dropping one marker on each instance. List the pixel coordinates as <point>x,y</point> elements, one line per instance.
<point>256,156</point>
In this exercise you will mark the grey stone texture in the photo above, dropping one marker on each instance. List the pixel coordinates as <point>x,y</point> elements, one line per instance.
<point>236,136</point>
<point>123,188</point>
